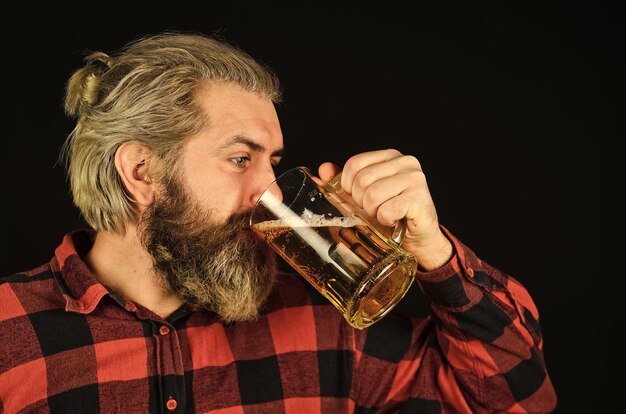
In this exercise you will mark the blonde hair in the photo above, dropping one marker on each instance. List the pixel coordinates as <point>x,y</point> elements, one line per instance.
<point>145,94</point>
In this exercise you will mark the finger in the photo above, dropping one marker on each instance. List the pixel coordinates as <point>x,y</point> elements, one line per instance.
<point>357,162</point>
<point>414,206</point>
<point>393,210</point>
<point>371,174</point>
<point>387,188</point>
<point>328,170</point>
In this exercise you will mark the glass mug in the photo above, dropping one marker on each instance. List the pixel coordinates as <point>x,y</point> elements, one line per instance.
<point>328,241</point>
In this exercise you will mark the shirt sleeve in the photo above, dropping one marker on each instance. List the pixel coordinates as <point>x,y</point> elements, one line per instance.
<point>479,351</point>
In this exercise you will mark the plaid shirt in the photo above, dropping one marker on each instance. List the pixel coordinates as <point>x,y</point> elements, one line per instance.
<point>69,345</point>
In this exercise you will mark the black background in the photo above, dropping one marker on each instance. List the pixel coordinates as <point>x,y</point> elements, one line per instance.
<point>514,111</point>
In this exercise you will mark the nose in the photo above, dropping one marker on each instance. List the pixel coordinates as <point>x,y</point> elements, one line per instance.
<point>261,182</point>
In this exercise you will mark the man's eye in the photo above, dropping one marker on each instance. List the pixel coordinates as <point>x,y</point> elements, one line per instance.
<point>240,161</point>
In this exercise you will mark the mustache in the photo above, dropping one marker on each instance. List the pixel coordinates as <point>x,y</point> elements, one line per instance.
<point>240,221</point>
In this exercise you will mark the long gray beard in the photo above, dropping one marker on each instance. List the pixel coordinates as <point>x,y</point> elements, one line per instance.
<point>221,267</point>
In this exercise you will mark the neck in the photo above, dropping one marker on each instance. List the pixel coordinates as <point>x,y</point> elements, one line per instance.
<point>121,263</point>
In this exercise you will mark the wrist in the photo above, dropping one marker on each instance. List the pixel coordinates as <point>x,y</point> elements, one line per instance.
<point>434,255</point>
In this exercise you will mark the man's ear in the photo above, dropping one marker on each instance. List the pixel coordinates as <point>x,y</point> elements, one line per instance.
<point>131,161</point>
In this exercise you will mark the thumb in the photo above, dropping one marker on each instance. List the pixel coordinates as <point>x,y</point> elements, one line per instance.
<point>328,170</point>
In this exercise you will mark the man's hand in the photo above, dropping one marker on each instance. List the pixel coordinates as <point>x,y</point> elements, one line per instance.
<point>390,186</point>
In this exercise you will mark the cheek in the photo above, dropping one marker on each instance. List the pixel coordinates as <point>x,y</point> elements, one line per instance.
<point>225,197</point>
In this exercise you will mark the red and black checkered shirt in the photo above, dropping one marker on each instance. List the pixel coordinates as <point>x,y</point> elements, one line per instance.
<point>69,345</point>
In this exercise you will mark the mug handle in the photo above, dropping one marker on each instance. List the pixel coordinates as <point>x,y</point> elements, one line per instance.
<point>334,186</point>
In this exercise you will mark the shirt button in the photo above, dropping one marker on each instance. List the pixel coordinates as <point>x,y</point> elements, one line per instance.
<point>470,272</point>
<point>171,404</point>
<point>164,330</point>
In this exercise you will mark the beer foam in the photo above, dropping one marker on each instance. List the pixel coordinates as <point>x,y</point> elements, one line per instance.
<point>309,219</point>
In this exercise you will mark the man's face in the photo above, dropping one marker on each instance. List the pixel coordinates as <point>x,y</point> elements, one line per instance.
<point>228,166</point>
<point>195,230</point>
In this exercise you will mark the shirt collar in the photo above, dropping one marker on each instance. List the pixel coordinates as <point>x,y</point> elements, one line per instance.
<point>80,288</point>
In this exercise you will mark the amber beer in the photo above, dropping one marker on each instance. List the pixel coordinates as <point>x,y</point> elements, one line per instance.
<point>363,273</point>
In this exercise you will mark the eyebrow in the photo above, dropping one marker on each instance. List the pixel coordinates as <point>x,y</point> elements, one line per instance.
<point>253,145</point>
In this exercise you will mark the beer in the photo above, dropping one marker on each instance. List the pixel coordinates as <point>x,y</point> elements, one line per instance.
<point>363,273</point>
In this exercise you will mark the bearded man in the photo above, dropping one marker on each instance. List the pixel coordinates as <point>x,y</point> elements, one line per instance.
<point>169,303</point>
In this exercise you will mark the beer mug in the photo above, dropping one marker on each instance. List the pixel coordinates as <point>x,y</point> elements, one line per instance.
<point>332,244</point>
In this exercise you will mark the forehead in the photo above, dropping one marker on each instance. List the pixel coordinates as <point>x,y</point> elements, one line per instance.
<point>232,111</point>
